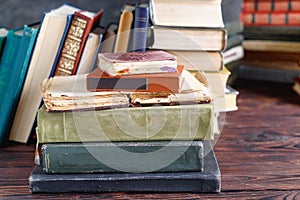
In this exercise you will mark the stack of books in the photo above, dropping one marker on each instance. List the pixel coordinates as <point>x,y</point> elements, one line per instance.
<point>272,41</point>
<point>139,135</point>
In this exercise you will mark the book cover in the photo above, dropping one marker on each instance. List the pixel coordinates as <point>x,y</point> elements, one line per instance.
<point>8,59</point>
<point>188,38</point>
<point>209,180</point>
<point>140,25</point>
<point>124,29</point>
<point>17,76</point>
<point>271,5</point>
<point>137,62</point>
<point>106,157</point>
<point>46,47</point>
<point>233,41</point>
<point>155,82</point>
<point>180,122</point>
<point>81,25</point>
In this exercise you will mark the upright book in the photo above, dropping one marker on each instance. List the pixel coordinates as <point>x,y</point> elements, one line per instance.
<point>47,43</point>
<point>16,73</point>
<point>82,24</point>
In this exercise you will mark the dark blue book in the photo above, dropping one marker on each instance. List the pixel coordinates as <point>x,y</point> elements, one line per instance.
<point>141,21</point>
<point>209,180</point>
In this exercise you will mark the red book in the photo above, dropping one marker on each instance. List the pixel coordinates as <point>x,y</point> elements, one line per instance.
<point>271,18</point>
<point>82,24</point>
<point>271,5</point>
<point>157,82</point>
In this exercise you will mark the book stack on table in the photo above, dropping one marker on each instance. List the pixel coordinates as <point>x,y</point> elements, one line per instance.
<point>124,139</point>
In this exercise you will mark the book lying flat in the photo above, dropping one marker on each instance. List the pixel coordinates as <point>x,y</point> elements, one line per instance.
<point>209,180</point>
<point>98,81</point>
<point>162,156</point>
<point>180,122</point>
<point>137,62</point>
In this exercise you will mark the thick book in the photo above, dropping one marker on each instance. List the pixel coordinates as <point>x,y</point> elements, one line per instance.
<point>140,25</point>
<point>153,82</point>
<point>208,180</point>
<point>124,29</point>
<point>188,38</point>
<point>271,5</point>
<point>82,24</point>
<point>180,122</point>
<point>199,60</point>
<point>46,46</point>
<point>16,73</point>
<point>158,156</point>
<point>137,62</point>
<point>274,45</point>
<point>226,102</point>
<point>271,18</point>
<point>190,13</point>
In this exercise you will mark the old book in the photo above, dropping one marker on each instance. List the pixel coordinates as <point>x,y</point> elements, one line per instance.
<point>233,41</point>
<point>70,93</point>
<point>228,102</point>
<point>159,156</point>
<point>15,72</point>
<point>233,54</point>
<point>82,24</point>
<point>199,60</point>
<point>188,38</point>
<point>39,68</point>
<point>140,25</point>
<point>137,62</point>
<point>271,18</point>
<point>271,5</point>
<point>153,82</point>
<point>123,34</point>
<point>180,122</point>
<point>109,38</point>
<point>191,13</point>
<point>209,180</point>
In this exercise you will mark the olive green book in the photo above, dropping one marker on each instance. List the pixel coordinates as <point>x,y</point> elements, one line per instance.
<point>159,156</point>
<point>180,122</point>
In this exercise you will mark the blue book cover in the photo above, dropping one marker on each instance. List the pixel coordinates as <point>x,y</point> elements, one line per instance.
<point>141,21</point>
<point>15,64</point>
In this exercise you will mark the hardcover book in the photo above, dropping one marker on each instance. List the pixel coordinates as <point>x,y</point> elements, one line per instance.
<point>209,180</point>
<point>188,38</point>
<point>45,49</point>
<point>190,13</point>
<point>153,82</point>
<point>166,156</point>
<point>16,73</point>
<point>271,5</point>
<point>180,122</point>
<point>137,62</point>
<point>82,24</point>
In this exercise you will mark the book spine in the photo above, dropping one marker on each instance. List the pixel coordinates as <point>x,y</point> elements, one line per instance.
<point>63,158</point>
<point>271,18</point>
<point>271,5</point>
<point>71,52</point>
<point>141,20</point>
<point>166,84</point>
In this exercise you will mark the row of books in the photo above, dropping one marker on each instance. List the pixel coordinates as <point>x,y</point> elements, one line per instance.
<point>271,49</point>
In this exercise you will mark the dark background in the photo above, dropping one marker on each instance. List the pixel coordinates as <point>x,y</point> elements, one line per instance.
<point>16,13</point>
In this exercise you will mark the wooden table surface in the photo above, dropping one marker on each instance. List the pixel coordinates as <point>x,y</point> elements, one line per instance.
<point>258,152</point>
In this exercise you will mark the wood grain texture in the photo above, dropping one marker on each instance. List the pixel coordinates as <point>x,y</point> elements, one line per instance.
<point>258,152</point>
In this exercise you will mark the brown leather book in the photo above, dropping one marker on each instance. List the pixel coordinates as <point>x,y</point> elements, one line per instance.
<point>156,82</point>
<point>82,24</point>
